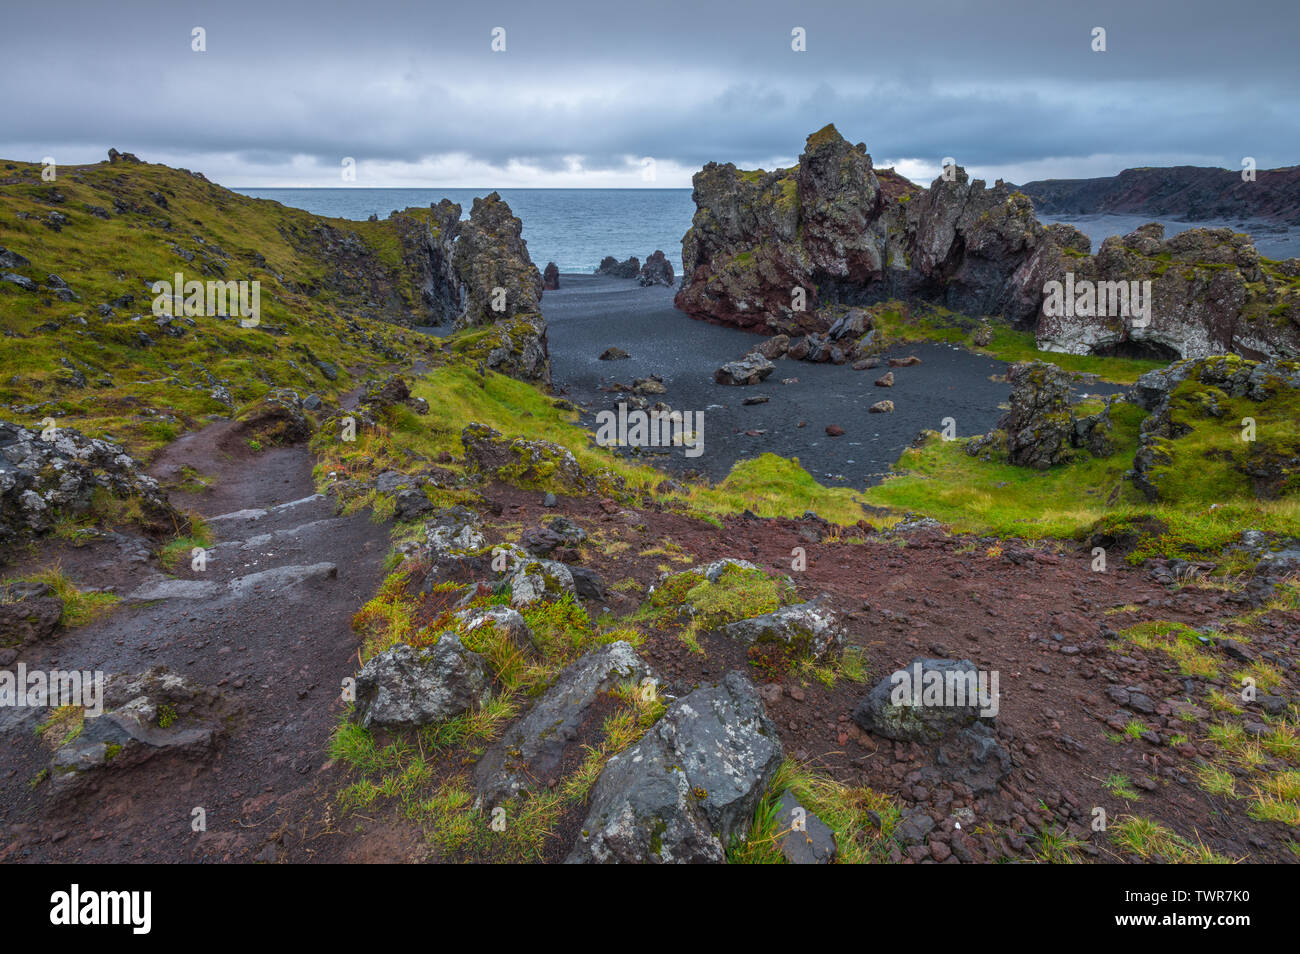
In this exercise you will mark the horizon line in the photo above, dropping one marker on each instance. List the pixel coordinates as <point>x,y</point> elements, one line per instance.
<point>479,188</point>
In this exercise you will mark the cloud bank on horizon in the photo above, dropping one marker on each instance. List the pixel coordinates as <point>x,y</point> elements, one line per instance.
<point>584,94</point>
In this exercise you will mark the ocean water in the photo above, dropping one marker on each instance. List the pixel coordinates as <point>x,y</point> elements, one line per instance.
<point>575,228</point>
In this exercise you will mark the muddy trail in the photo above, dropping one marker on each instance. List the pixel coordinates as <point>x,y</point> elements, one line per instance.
<point>267,623</point>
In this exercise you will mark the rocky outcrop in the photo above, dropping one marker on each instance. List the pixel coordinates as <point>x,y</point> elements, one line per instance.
<point>516,347</point>
<point>657,270</point>
<point>1041,429</point>
<point>773,251</point>
<point>404,686</point>
<point>613,268</point>
<point>477,273</point>
<point>498,280</point>
<point>768,250</point>
<point>690,786</point>
<point>501,289</point>
<point>1208,292</point>
<point>535,464</point>
<point>44,479</point>
<point>143,715</point>
<point>801,630</point>
<point>551,277</point>
<point>531,752</point>
<point>1039,425</point>
<point>426,242</point>
<point>1259,402</point>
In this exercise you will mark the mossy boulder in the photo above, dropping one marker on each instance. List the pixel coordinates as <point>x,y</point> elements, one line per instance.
<point>516,347</point>
<point>798,631</point>
<point>533,465</point>
<point>1220,427</point>
<point>712,596</point>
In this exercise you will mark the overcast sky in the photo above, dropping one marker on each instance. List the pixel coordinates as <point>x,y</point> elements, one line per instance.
<point>586,92</point>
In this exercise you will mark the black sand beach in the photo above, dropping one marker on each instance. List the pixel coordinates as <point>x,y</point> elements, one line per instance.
<point>589,313</point>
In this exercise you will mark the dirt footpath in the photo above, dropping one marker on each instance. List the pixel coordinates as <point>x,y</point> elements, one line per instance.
<point>267,622</point>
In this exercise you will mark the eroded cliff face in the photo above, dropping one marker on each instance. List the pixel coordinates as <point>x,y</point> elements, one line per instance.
<point>426,253</point>
<point>834,231</point>
<point>477,273</point>
<point>771,251</point>
<point>497,277</point>
<point>1187,193</point>
<point>1210,293</point>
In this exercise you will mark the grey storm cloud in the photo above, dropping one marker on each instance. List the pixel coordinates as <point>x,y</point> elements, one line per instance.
<point>686,82</point>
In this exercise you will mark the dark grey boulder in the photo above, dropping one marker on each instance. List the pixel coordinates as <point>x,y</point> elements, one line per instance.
<point>703,768</point>
<point>804,839</point>
<point>531,752</point>
<point>920,722</point>
<point>404,686</point>
<point>411,504</point>
<point>588,584</point>
<point>556,532</point>
<point>11,259</point>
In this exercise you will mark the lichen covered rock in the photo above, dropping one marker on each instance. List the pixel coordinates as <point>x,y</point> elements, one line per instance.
<point>43,479</point>
<point>1210,293</point>
<point>689,786</point>
<point>404,686</point>
<point>531,752</point>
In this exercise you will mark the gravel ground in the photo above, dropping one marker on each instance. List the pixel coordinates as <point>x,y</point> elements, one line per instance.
<point>589,313</point>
